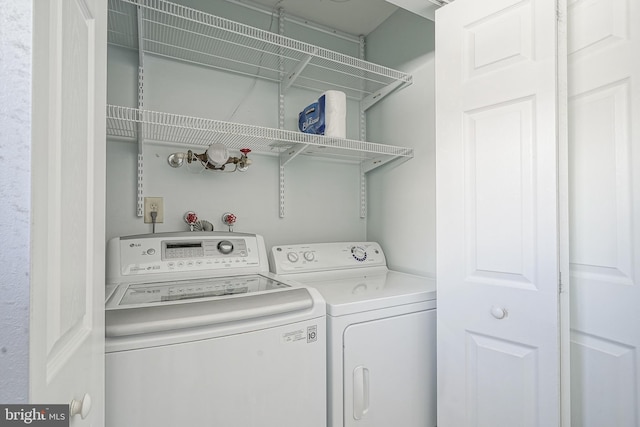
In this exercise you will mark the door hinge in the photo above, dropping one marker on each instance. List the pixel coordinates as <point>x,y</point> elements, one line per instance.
<point>560,11</point>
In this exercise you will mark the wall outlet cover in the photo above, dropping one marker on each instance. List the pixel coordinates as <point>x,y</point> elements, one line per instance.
<point>152,204</point>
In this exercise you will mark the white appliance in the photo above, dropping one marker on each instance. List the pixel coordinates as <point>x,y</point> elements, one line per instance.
<point>381,332</point>
<point>200,333</point>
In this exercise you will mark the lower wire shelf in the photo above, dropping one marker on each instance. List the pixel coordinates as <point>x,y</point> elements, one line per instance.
<point>124,122</point>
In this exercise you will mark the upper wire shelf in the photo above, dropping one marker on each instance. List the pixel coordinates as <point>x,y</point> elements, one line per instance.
<point>124,122</point>
<point>179,32</point>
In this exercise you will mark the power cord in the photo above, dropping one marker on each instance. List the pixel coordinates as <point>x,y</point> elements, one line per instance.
<point>154,215</point>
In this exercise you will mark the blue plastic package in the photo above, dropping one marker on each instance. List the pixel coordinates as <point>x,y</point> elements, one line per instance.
<point>312,118</point>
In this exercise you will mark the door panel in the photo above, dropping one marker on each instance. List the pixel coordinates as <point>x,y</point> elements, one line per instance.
<point>594,25</point>
<point>604,198</point>
<point>497,213</point>
<point>603,383</point>
<point>509,23</point>
<point>70,318</point>
<point>499,189</point>
<point>601,185</point>
<point>68,180</point>
<point>493,363</point>
<point>389,371</point>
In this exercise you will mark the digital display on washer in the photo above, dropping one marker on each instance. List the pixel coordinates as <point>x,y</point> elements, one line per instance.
<point>204,249</point>
<point>147,293</point>
<point>183,250</point>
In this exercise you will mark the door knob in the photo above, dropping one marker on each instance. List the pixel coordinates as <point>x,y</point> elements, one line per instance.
<point>498,313</point>
<point>81,407</point>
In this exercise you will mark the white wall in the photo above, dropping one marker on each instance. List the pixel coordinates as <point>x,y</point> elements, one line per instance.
<point>15,180</point>
<point>401,203</point>
<point>321,197</point>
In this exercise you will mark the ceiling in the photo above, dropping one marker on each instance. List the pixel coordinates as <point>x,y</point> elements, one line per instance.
<point>357,17</point>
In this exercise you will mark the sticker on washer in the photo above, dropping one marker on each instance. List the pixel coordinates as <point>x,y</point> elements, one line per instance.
<point>299,335</point>
<point>312,333</point>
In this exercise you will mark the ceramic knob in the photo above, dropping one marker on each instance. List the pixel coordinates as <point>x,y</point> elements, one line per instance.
<point>498,313</point>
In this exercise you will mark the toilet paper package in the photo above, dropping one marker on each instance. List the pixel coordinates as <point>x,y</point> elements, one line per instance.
<point>327,116</point>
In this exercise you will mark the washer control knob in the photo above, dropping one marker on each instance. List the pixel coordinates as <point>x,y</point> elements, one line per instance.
<point>292,257</point>
<point>225,247</point>
<point>309,256</point>
<point>359,253</point>
<point>151,251</point>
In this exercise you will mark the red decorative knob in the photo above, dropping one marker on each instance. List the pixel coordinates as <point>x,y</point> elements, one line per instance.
<point>229,219</point>
<point>190,218</point>
<point>245,151</point>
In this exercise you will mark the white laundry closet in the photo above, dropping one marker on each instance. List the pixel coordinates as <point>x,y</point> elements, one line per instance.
<point>592,238</point>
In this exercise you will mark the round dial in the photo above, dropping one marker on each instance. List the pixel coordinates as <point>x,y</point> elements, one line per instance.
<point>225,247</point>
<point>309,256</point>
<point>292,257</point>
<point>359,253</point>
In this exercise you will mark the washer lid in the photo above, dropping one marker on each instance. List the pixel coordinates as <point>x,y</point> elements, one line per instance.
<point>160,307</point>
<point>351,293</point>
<point>167,292</point>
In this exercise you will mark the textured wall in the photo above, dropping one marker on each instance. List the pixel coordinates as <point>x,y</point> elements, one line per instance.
<point>15,144</point>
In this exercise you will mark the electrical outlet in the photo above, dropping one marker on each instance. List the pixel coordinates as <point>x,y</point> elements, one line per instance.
<point>153,204</point>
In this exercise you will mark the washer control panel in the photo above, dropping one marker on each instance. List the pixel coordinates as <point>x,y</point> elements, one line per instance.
<point>181,252</point>
<point>325,256</point>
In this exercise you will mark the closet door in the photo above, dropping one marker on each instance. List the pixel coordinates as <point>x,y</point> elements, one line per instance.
<point>498,121</point>
<point>604,171</point>
<point>68,202</point>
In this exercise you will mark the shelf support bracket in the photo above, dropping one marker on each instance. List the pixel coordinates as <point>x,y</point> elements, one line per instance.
<point>286,157</point>
<point>378,95</point>
<point>363,192</point>
<point>371,164</point>
<point>363,137</point>
<point>281,109</point>
<point>367,166</point>
<point>140,127</point>
<point>292,153</point>
<point>293,75</point>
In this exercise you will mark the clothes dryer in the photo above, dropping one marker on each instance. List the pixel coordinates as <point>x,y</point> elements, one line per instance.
<point>381,332</point>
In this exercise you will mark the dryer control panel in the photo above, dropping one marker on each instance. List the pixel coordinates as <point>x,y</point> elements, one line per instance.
<point>185,253</point>
<point>314,257</point>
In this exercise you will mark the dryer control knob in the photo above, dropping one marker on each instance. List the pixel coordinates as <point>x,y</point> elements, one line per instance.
<point>359,253</point>
<point>225,247</point>
<point>309,256</point>
<point>292,257</point>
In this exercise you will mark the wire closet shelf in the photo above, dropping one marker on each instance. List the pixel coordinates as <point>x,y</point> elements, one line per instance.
<point>124,122</point>
<point>175,31</point>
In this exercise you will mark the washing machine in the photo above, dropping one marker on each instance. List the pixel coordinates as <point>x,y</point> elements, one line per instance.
<point>200,333</point>
<point>381,332</point>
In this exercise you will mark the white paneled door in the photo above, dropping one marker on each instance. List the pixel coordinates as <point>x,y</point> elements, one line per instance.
<point>68,196</point>
<point>604,168</point>
<point>498,124</point>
